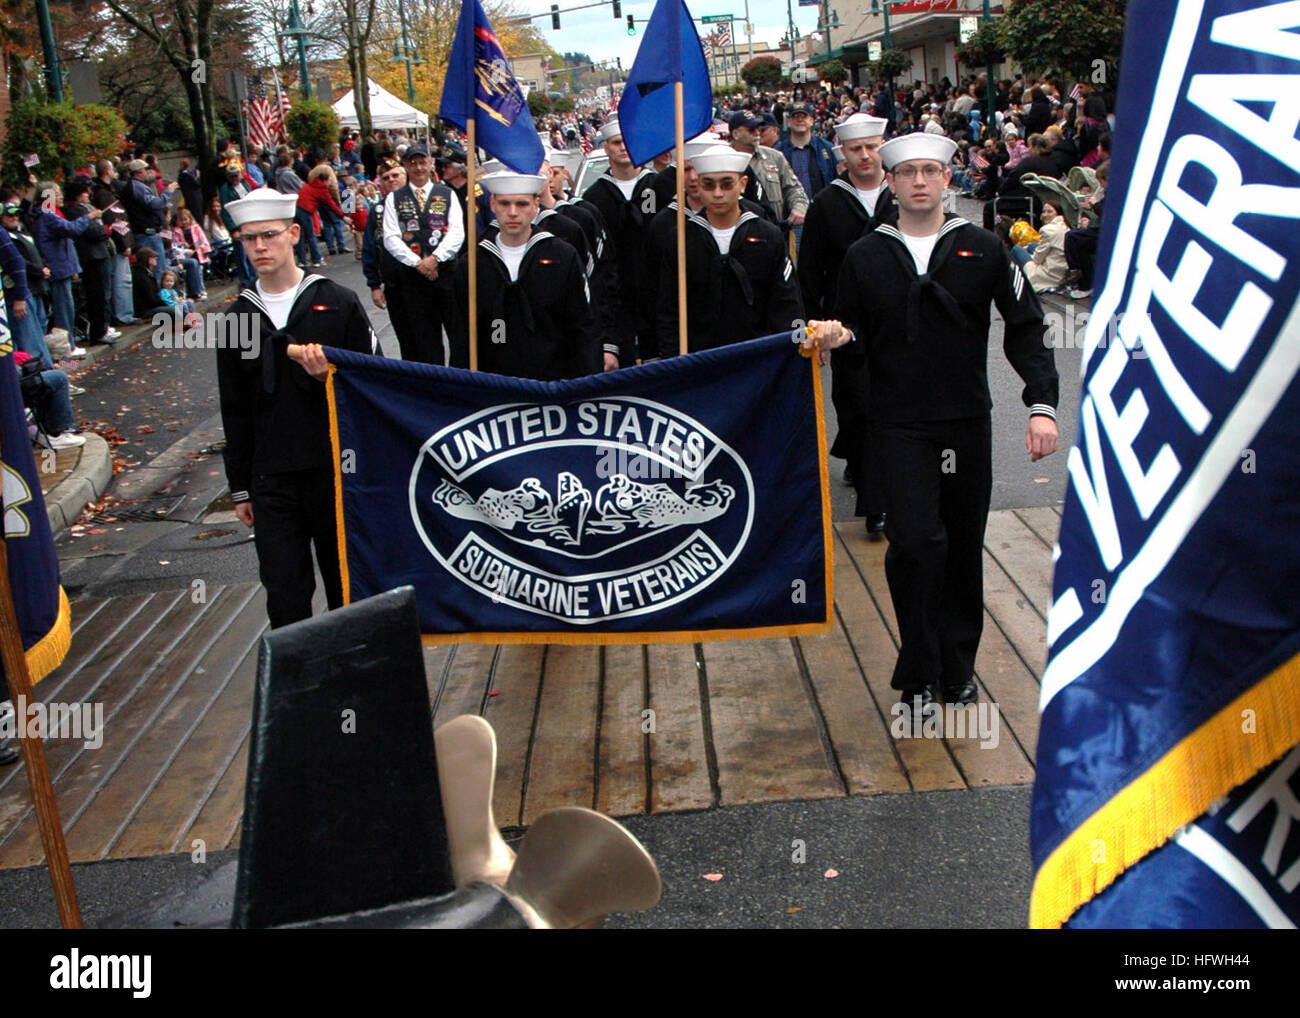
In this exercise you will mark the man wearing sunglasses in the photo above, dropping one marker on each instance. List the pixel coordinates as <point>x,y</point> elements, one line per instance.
<point>278,457</point>
<point>740,283</point>
<point>377,265</point>
<point>913,299</point>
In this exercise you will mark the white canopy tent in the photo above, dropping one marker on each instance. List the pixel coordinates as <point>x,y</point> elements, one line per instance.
<point>386,110</point>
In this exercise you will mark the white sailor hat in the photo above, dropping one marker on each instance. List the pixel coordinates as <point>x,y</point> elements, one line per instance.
<point>491,166</point>
<point>838,151</point>
<point>610,130</point>
<point>917,146</point>
<point>261,205</point>
<point>513,183</point>
<point>859,125</point>
<point>721,159</point>
<point>701,142</point>
<point>560,158</point>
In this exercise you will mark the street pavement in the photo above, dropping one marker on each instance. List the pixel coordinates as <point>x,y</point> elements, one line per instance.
<point>936,859</point>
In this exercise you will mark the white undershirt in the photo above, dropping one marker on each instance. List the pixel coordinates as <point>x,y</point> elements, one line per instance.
<point>869,197</point>
<point>278,305</point>
<point>626,186</point>
<point>513,257</point>
<point>723,237</point>
<point>921,248</point>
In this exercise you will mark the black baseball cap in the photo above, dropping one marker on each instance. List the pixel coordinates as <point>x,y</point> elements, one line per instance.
<point>414,151</point>
<point>798,108</point>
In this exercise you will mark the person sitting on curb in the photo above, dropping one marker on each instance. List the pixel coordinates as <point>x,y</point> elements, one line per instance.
<point>45,393</point>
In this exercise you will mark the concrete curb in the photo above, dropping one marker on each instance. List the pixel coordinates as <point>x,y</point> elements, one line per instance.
<point>89,480</point>
<point>93,473</point>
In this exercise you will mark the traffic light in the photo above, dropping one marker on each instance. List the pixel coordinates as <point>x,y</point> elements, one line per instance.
<point>618,9</point>
<point>555,17</point>
<point>631,25</point>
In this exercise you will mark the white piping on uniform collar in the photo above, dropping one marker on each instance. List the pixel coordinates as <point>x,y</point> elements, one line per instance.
<point>492,245</point>
<point>254,298</point>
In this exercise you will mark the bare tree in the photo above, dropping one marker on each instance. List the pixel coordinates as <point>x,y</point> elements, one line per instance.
<point>183,31</point>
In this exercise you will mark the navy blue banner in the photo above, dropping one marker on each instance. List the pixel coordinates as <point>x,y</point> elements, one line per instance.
<point>681,500</point>
<point>40,605</point>
<point>1173,677</point>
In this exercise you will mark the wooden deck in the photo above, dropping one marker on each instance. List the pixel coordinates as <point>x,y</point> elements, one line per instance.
<point>742,722</point>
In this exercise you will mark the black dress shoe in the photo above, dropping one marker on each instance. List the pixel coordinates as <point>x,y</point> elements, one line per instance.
<point>8,752</point>
<point>966,692</point>
<point>875,527</point>
<point>909,696</point>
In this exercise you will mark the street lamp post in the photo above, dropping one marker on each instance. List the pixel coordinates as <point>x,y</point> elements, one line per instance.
<point>53,76</point>
<point>988,85</point>
<point>298,31</point>
<point>408,54</point>
<point>877,6</point>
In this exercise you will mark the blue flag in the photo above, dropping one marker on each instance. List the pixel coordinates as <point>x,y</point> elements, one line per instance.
<point>670,52</point>
<point>44,621</point>
<point>683,500</point>
<point>1166,791</point>
<point>481,85</point>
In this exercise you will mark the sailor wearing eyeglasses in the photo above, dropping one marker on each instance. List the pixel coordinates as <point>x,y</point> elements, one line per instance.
<point>278,457</point>
<point>912,303</point>
<point>740,283</point>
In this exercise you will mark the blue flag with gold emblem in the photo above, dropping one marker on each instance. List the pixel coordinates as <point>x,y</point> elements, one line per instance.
<point>39,602</point>
<point>681,500</point>
<point>1166,789</point>
<point>481,86</point>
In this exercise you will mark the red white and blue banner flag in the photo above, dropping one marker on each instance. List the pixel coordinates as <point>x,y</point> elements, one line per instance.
<point>682,500</point>
<point>1166,791</point>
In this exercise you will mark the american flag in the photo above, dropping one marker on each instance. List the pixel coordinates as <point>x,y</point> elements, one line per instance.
<point>258,114</point>
<point>1076,93</point>
<point>281,111</point>
<point>708,46</point>
<point>724,35</point>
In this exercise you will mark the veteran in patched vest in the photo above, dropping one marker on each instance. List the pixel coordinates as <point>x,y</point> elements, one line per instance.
<point>423,231</point>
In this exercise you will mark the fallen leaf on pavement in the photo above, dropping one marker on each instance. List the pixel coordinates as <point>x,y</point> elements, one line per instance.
<point>831,874</point>
<point>714,877</point>
<point>793,909</point>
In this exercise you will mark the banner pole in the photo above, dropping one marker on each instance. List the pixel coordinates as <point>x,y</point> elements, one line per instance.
<point>471,235</point>
<point>33,751</point>
<point>681,219</point>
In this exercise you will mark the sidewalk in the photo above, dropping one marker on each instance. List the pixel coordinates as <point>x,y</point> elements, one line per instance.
<point>71,478</point>
<point>748,722</point>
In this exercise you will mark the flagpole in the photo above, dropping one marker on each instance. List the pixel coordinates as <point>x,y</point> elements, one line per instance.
<point>681,218</point>
<point>471,234</point>
<point>33,751</point>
